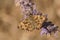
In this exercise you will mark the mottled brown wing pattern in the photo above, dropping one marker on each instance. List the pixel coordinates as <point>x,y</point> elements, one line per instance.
<point>32,23</point>
<point>38,20</point>
<point>26,25</point>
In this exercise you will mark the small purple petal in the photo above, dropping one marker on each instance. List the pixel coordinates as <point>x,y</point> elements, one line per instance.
<point>43,31</point>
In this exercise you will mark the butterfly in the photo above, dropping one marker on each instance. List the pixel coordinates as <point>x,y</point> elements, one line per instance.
<point>32,22</point>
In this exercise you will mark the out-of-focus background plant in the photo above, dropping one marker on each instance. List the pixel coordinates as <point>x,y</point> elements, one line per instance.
<point>10,16</point>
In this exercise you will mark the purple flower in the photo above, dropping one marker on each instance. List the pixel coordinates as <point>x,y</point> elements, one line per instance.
<point>34,12</point>
<point>43,31</point>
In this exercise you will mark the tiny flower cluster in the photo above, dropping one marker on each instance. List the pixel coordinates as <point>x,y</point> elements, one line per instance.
<point>28,7</point>
<point>48,28</point>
